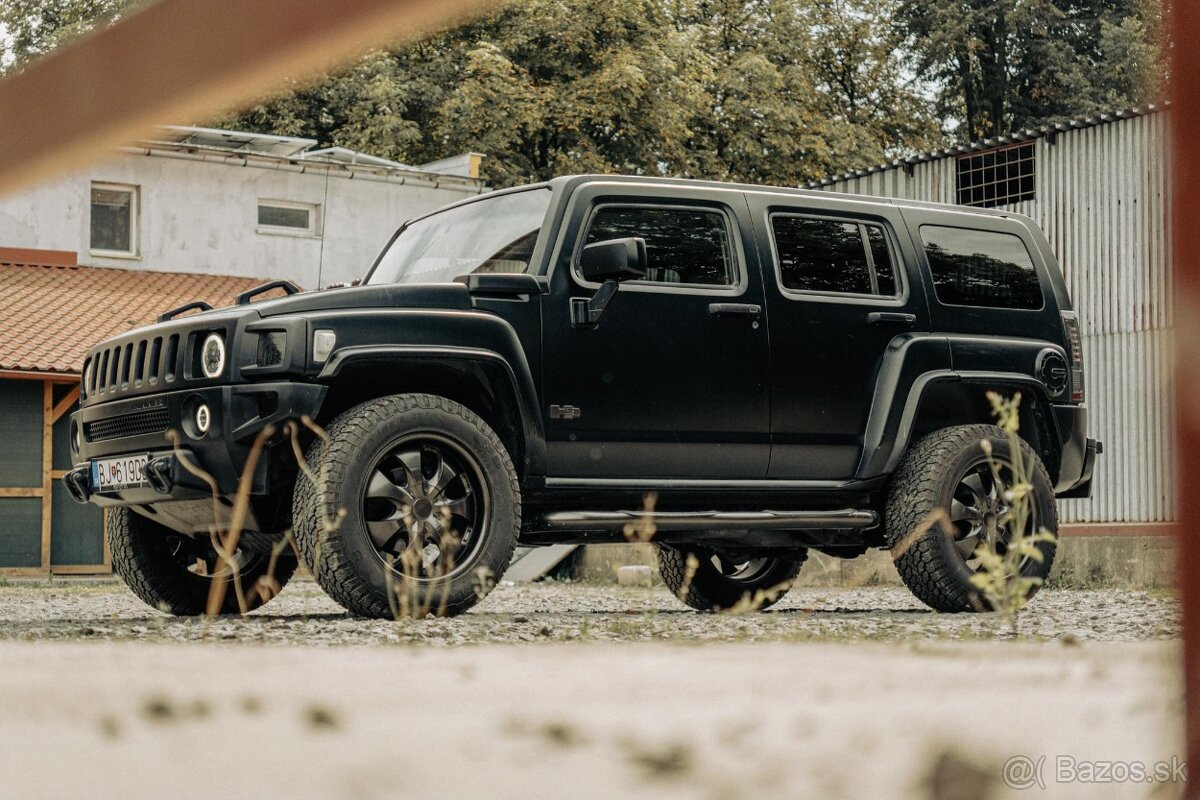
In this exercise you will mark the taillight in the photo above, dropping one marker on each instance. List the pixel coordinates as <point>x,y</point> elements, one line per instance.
<point>1075,342</point>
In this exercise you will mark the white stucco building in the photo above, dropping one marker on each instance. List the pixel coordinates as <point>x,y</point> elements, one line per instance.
<point>228,203</point>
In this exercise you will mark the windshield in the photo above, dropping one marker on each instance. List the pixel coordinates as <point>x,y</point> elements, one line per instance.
<point>495,234</point>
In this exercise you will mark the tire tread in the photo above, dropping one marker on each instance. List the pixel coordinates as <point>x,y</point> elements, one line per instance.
<point>709,591</point>
<point>165,585</point>
<point>914,494</point>
<point>335,573</point>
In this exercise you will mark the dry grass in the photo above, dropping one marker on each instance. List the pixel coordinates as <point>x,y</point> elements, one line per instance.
<point>225,538</point>
<point>1000,580</point>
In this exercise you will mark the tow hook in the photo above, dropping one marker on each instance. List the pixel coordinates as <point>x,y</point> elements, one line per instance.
<point>160,474</point>
<point>78,484</point>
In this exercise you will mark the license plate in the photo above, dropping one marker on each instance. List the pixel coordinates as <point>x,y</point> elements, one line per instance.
<point>126,472</point>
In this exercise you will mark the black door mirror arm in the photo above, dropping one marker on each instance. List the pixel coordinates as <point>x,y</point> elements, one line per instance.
<point>586,313</point>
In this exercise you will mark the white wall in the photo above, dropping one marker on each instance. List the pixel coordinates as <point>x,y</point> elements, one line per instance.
<point>200,216</point>
<point>1103,200</point>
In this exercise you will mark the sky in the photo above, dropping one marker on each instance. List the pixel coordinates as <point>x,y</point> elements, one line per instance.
<point>5,41</point>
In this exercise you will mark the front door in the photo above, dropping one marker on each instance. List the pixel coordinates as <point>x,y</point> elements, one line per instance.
<point>672,381</point>
<point>839,295</point>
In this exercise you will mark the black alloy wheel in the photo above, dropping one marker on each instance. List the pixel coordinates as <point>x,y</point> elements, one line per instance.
<point>425,506</point>
<point>415,509</point>
<point>981,512</point>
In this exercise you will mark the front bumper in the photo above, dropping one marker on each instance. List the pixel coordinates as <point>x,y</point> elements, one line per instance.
<point>1078,452</point>
<point>237,413</point>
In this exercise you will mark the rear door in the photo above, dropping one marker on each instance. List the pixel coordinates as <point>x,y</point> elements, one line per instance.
<point>841,288</point>
<point>672,381</point>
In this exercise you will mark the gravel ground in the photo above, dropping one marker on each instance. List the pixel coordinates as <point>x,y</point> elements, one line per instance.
<point>661,721</point>
<point>584,691</point>
<point>582,612</point>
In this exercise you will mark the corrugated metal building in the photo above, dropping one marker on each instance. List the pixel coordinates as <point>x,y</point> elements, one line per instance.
<point>1100,190</point>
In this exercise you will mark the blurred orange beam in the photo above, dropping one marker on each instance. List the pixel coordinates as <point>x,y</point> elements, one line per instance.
<point>177,61</point>
<point>1185,124</point>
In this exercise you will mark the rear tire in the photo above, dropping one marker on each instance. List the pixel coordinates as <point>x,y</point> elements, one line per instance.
<point>931,477</point>
<point>160,566</point>
<point>758,584</point>
<point>431,508</point>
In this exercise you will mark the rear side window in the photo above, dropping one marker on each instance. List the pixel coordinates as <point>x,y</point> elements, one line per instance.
<point>683,245</point>
<point>981,268</point>
<point>825,255</point>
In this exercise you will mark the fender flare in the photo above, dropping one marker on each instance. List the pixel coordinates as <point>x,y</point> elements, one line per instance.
<point>518,380</point>
<point>916,394</point>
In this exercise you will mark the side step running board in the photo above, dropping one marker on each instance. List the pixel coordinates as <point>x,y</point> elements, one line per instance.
<point>841,519</point>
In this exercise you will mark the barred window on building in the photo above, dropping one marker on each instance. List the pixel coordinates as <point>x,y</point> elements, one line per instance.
<point>997,177</point>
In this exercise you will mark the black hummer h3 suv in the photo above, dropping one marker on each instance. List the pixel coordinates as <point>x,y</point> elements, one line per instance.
<point>781,370</point>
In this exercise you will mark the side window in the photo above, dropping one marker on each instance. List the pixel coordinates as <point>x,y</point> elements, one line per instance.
<point>280,216</point>
<point>981,268</point>
<point>825,255</point>
<point>881,260</point>
<point>683,245</point>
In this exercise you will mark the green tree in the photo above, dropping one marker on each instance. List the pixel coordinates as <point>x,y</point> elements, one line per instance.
<point>759,90</point>
<point>35,27</point>
<point>776,91</point>
<point>858,58</point>
<point>773,91</point>
<point>589,86</point>
<point>1009,64</point>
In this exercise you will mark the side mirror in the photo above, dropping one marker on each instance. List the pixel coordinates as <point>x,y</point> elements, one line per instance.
<point>614,260</point>
<point>607,263</point>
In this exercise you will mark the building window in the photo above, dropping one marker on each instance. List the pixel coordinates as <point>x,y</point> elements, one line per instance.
<point>997,177</point>
<point>114,220</point>
<point>981,268</point>
<point>683,245</point>
<point>832,256</point>
<point>279,216</point>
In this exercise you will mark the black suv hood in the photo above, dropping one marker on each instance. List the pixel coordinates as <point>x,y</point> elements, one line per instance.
<point>429,295</point>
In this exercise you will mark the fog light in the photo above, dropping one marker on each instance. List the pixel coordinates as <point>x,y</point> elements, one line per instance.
<point>203,418</point>
<point>75,440</point>
<point>323,342</point>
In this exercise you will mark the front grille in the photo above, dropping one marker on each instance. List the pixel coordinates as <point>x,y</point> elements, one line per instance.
<point>117,368</point>
<point>137,423</point>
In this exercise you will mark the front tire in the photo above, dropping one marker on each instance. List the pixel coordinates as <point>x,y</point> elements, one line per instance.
<point>175,573</point>
<point>948,470</point>
<point>431,508</point>
<point>716,583</point>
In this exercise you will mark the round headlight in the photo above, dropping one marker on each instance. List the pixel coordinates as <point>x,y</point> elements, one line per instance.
<point>212,356</point>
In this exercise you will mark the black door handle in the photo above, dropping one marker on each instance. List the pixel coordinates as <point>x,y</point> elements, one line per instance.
<point>892,318</point>
<point>735,310</point>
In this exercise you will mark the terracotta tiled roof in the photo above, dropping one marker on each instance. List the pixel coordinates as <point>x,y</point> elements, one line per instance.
<point>51,315</point>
